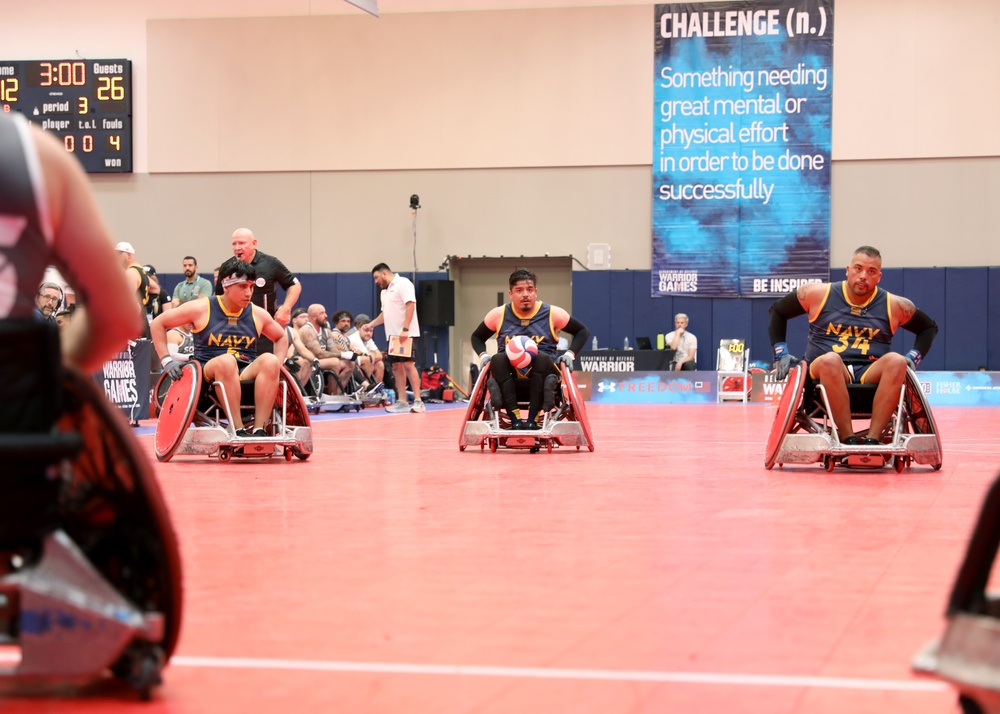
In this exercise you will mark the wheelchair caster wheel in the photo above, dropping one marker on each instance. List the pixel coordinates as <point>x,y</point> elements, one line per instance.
<point>225,455</point>
<point>493,445</point>
<point>829,463</point>
<point>899,463</point>
<point>142,670</point>
<point>288,454</point>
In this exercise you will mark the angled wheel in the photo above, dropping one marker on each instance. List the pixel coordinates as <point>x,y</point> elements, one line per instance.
<point>919,416</point>
<point>177,411</point>
<point>579,412</point>
<point>477,403</point>
<point>296,413</point>
<point>791,400</point>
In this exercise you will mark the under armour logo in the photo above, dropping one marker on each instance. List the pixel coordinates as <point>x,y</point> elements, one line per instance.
<point>606,385</point>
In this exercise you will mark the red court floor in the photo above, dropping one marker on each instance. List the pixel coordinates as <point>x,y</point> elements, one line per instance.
<point>666,572</point>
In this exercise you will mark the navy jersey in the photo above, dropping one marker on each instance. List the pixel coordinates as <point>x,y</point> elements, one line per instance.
<point>226,333</point>
<point>858,333</point>
<point>538,326</point>
<point>25,232</point>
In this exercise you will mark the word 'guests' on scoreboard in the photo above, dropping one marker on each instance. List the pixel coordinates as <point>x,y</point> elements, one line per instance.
<point>86,103</point>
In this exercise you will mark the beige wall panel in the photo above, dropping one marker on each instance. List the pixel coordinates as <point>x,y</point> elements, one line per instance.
<point>362,218</point>
<point>168,217</point>
<point>929,213</point>
<point>915,78</point>
<point>527,88</point>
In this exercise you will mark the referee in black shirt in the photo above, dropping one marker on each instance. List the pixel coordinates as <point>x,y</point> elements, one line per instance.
<point>270,271</point>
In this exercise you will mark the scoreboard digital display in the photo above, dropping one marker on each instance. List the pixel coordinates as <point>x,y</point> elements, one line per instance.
<point>86,103</point>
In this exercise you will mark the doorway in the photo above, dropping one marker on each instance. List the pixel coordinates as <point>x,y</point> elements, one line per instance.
<point>481,284</point>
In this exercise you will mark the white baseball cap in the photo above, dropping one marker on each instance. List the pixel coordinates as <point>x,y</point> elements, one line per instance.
<point>125,248</point>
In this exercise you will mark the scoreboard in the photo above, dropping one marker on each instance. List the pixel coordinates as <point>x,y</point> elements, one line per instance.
<point>87,104</point>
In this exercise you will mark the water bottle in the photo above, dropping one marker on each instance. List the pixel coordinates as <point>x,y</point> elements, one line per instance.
<point>593,345</point>
<point>626,343</point>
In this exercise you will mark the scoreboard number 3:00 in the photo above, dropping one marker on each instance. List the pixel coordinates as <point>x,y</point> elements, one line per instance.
<point>86,103</point>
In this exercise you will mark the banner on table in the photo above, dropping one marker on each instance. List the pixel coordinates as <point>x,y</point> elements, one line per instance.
<point>126,380</point>
<point>741,147</point>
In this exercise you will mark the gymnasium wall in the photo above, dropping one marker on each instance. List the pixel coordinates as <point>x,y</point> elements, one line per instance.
<point>524,131</point>
<point>514,126</point>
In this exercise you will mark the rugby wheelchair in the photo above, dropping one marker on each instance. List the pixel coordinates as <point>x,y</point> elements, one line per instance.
<point>193,420</point>
<point>968,654</point>
<point>804,433</point>
<point>90,572</point>
<point>565,424</point>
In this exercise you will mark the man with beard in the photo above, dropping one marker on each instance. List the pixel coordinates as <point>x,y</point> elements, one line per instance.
<point>851,324</point>
<point>226,331</point>
<point>194,286</point>
<point>526,315</point>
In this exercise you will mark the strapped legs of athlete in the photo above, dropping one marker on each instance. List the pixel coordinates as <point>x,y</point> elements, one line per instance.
<point>888,372</point>
<point>264,371</point>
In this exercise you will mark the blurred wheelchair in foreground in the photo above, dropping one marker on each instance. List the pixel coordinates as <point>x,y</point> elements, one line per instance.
<point>90,573</point>
<point>193,420</point>
<point>968,654</point>
<point>564,424</point>
<point>804,433</point>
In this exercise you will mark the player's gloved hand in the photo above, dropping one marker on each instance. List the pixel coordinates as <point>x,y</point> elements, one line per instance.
<point>348,355</point>
<point>172,367</point>
<point>566,358</point>
<point>292,365</point>
<point>315,365</point>
<point>783,361</point>
<point>484,359</point>
<point>913,358</point>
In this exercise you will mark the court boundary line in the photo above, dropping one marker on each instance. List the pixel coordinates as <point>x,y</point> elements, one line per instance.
<point>713,678</point>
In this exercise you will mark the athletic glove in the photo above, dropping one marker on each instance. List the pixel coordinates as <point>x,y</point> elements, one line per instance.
<point>292,365</point>
<point>782,361</point>
<point>172,367</point>
<point>913,358</point>
<point>566,358</point>
<point>484,359</point>
<point>348,355</point>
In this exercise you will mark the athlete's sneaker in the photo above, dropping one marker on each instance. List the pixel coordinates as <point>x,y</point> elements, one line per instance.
<point>869,441</point>
<point>247,433</point>
<point>418,407</point>
<point>398,408</point>
<point>852,440</point>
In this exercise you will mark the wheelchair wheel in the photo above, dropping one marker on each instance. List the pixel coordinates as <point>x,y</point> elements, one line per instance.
<point>477,403</point>
<point>177,411</point>
<point>296,412</point>
<point>788,407</point>
<point>113,510</point>
<point>579,412</point>
<point>919,417</point>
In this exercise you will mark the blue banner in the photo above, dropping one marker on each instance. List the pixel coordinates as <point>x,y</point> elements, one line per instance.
<point>741,147</point>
